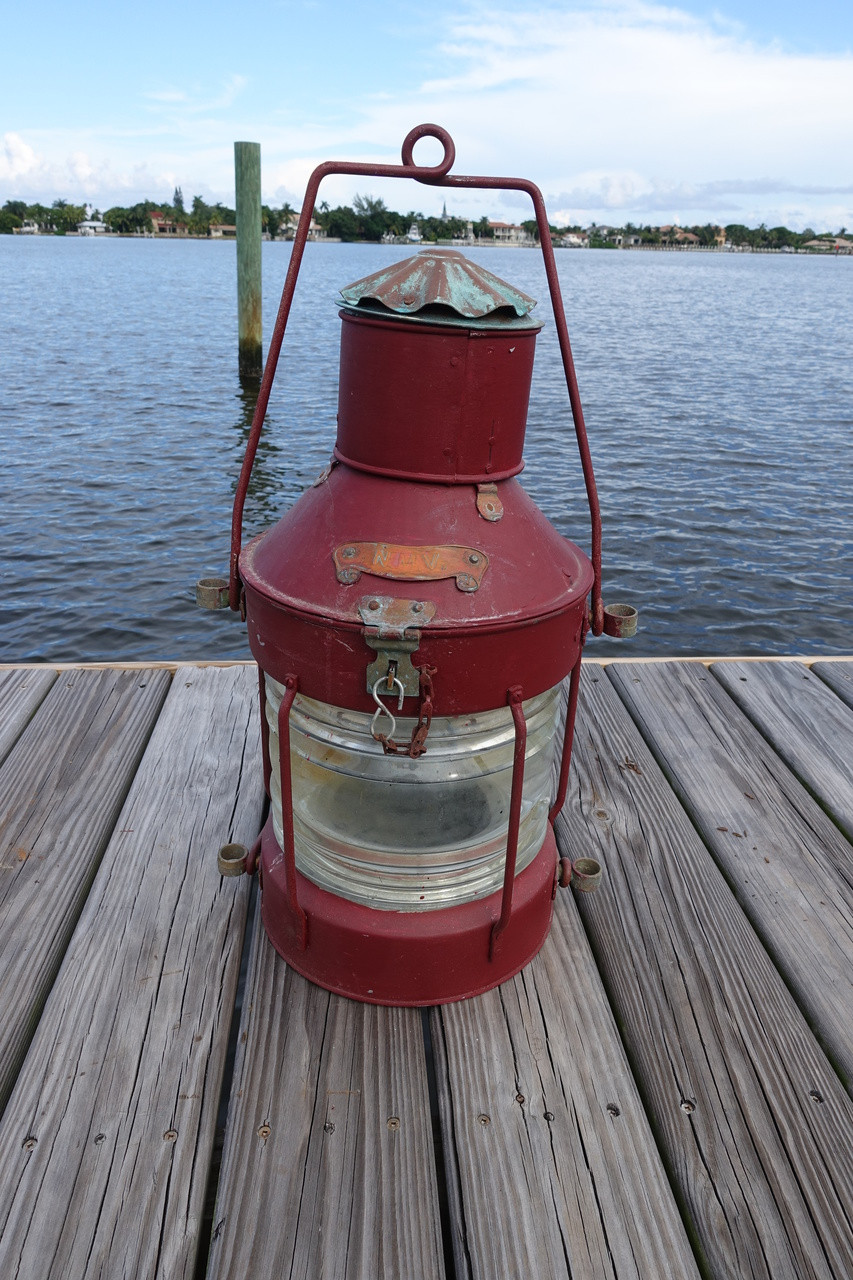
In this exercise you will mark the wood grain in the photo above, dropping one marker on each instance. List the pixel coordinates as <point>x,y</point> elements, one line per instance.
<point>328,1169</point>
<point>788,864</point>
<point>756,1128</point>
<point>21,691</point>
<point>61,790</point>
<point>106,1140</point>
<point>806,724</point>
<point>551,1165</point>
<point>839,677</point>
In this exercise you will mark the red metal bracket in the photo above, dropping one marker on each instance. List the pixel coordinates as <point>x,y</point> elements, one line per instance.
<point>433,175</point>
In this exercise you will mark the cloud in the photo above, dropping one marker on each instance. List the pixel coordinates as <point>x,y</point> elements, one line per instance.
<point>623,106</point>
<point>18,159</point>
<point>196,101</point>
<point>614,108</point>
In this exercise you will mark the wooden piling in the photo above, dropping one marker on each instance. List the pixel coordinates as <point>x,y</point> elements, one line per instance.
<point>247,174</point>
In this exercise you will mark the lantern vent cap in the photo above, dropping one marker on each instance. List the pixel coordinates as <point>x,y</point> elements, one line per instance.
<point>441,286</point>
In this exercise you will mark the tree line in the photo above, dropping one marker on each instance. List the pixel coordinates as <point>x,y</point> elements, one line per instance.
<point>368,218</point>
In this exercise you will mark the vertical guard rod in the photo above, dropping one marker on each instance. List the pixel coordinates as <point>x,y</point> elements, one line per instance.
<point>265,729</point>
<point>291,686</point>
<point>568,738</point>
<point>514,698</point>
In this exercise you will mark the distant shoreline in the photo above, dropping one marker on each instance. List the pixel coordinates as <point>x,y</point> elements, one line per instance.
<point>726,250</point>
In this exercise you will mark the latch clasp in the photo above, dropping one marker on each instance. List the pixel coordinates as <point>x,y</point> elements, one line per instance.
<point>393,628</point>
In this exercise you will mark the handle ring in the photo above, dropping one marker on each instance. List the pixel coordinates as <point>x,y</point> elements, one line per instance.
<point>424,170</point>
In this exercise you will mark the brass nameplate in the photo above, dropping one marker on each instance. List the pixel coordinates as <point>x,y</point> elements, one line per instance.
<point>410,564</point>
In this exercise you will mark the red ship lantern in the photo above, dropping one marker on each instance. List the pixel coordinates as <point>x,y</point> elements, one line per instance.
<point>414,617</point>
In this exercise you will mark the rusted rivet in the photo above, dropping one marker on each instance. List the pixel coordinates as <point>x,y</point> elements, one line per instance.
<point>29,1142</point>
<point>373,605</point>
<point>417,607</point>
<point>473,559</point>
<point>170,1135</point>
<point>613,1110</point>
<point>688,1106</point>
<point>484,1119</point>
<point>549,1115</point>
<point>519,1097</point>
<point>329,1127</point>
<point>264,1132</point>
<point>348,553</point>
<point>394,1123</point>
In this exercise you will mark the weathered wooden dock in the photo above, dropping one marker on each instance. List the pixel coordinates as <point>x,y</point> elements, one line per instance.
<point>664,1093</point>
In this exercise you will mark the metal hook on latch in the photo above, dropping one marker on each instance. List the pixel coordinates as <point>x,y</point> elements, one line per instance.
<point>381,709</point>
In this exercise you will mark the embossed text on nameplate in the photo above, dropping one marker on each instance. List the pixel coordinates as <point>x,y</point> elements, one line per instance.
<point>411,564</point>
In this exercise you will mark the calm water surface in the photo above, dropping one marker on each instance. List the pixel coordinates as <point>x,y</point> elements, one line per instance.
<point>718,393</point>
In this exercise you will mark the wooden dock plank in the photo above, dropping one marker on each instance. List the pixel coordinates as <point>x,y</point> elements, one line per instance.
<point>839,677</point>
<point>551,1165</point>
<point>756,1128</point>
<point>106,1140</point>
<point>789,865</point>
<point>21,691</point>
<point>805,722</point>
<point>61,789</point>
<point>328,1168</point>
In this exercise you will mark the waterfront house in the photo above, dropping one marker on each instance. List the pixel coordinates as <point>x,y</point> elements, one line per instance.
<point>679,235</point>
<point>830,244</point>
<point>164,226</point>
<point>222,231</point>
<point>92,227</point>
<point>509,233</point>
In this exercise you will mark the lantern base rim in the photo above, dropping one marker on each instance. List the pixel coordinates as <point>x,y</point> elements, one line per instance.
<point>398,958</point>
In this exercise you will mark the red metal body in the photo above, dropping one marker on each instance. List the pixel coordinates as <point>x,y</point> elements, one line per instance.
<point>421,526</point>
<point>387,957</point>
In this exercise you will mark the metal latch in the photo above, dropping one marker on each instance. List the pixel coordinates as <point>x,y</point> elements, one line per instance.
<point>393,628</point>
<point>489,504</point>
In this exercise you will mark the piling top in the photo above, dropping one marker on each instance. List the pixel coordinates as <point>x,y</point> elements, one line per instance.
<point>442,285</point>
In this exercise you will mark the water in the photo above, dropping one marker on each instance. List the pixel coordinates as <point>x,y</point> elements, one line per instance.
<point>718,393</point>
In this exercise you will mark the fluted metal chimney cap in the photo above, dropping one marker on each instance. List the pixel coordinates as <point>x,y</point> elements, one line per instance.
<point>441,286</point>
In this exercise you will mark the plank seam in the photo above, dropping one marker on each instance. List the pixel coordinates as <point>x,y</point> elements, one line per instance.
<point>690,811</point>
<point>691,1229</point>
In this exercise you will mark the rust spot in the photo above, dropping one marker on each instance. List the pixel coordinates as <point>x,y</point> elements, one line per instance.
<point>23,854</point>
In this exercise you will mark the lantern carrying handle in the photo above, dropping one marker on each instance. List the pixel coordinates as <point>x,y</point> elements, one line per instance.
<point>433,175</point>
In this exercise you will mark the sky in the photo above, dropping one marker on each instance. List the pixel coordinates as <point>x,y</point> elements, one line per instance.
<point>619,110</point>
